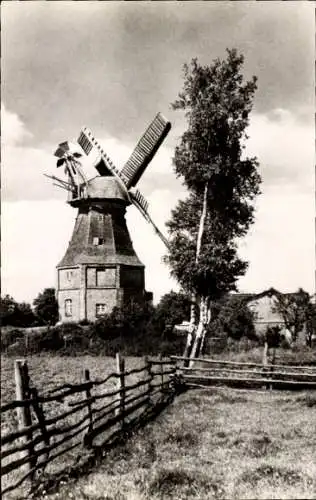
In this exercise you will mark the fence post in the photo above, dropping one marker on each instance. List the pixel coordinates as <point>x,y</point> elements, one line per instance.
<point>173,376</point>
<point>265,354</point>
<point>161,372</point>
<point>265,360</point>
<point>148,366</point>
<point>272,366</point>
<point>86,441</point>
<point>22,391</point>
<point>26,341</point>
<point>120,368</point>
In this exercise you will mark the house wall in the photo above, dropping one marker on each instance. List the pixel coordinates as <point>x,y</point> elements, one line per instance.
<point>263,309</point>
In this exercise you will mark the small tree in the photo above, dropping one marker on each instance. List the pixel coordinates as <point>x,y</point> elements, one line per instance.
<point>311,324</point>
<point>25,315</point>
<point>173,308</point>
<point>15,314</point>
<point>294,308</point>
<point>236,319</point>
<point>46,307</point>
<point>8,310</point>
<point>221,183</point>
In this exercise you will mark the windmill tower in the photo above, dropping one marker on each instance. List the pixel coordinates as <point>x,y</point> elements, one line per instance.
<point>100,268</point>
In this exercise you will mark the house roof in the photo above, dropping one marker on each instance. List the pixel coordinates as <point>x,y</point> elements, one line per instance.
<point>270,292</point>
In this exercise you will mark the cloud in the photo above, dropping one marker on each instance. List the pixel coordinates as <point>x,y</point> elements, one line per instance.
<point>280,246</point>
<point>104,63</point>
<point>13,130</point>
<point>23,165</point>
<point>34,238</point>
<point>284,146</point>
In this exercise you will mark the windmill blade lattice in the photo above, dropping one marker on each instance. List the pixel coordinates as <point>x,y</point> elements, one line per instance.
<point>145,150</point>
<point>87,141</point>
<point>142,204</point>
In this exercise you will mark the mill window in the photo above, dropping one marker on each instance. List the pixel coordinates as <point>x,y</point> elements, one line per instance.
<point>69,275</point>
<point>100,309</point>
<point>68,307</point>
<point>97,241</point>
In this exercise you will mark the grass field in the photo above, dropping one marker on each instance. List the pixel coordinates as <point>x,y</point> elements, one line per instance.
<point>217,443</point>
<point>298,355</point>
<point>49,372</point>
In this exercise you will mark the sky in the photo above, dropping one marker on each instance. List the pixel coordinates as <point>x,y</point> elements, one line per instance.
<point>112,66</point>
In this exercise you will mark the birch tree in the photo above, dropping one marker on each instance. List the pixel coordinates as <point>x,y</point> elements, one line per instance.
<point>222,184</point>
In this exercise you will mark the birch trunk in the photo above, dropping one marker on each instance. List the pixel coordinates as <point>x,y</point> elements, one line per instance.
<point>265,353</point>
<point>208,319</point>
<point>201,329</point>
<point>190,335</point>
<point>194,331</point>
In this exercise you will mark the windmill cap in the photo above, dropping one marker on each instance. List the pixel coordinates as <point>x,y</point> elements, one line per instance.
<point>103,189</point>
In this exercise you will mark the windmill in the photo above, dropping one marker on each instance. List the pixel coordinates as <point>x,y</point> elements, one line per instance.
<point>100,268</point>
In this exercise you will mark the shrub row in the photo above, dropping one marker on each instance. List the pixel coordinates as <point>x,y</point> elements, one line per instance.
<point>133,331</point>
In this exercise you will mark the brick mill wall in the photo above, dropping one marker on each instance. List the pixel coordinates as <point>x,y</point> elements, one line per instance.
<point>106,296</point>
<point>74,296</point>
<point>69,278</point>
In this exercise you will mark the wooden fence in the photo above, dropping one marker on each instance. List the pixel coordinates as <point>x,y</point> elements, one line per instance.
<point>236,374</point>
<point>72,416</point>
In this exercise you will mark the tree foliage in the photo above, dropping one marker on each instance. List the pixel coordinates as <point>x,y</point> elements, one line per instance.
<point>210,160</point>
<point>127,321</point>
<point>236,319</point>
<point>296,309</point>
<point>172,309</point>
<point>15,314</point>
<point>311,324</point>
<point>46,307</point>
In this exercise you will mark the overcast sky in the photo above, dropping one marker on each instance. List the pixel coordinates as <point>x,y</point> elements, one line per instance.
<point>112,66</point>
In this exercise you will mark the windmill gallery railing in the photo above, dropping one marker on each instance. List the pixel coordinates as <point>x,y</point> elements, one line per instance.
<point>55,424</point>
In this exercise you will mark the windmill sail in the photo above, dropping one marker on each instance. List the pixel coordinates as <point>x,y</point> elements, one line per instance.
<point>139,199</point>
<point>145,150</point>
<point>84,142</point>
<point>87,141</point>
<point>142,204</point>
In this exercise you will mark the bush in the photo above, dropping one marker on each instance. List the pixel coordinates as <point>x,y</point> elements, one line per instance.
<point>10,336</point>
<point>50,340</point>
<point>132,330</point>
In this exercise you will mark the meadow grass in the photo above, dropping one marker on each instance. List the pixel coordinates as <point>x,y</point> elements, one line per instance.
<point>218,443</point>
<point>49,372</point>
<point>298,355</point>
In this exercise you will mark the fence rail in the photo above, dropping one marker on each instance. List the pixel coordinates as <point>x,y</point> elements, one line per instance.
<point>203,372</point>
<point>87,413</point>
